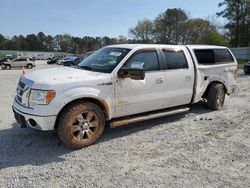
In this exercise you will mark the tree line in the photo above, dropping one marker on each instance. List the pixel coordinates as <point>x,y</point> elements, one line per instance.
<point>58,43</point>
<point>170,27</point>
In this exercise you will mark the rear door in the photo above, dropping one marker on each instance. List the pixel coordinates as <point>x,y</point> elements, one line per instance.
<point>21,62</point>
<point>179,76</point>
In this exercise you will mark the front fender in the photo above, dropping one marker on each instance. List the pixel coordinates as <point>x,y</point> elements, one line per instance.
<point>80,93</point>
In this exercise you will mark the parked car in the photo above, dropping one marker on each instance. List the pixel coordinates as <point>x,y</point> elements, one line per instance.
<point>123,84</point>
<point>52,61</point>
<point>6,59</point>
<point>18,62</point>
<point>247,68</point>
<point>61,61</point>
<point>73,61</point>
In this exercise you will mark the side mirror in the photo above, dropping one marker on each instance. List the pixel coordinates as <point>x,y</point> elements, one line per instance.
<point>134,74</point>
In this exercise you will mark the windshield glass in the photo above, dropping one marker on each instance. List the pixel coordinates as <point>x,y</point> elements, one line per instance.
<point>104,60</point>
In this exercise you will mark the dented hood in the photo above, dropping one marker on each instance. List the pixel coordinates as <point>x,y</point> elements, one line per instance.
<point>65,75</point>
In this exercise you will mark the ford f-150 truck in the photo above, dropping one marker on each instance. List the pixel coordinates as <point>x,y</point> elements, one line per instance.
<point>122,84</point>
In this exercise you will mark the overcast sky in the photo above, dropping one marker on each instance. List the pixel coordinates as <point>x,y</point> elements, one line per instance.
<point>90,17</point>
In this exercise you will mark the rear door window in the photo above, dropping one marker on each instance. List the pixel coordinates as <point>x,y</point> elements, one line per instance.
<point>175,59</point>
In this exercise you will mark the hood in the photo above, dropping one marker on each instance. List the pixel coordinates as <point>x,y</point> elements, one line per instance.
<point>66,75</point>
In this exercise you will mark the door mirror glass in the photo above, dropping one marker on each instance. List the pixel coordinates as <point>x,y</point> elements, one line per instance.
<point>133,73</point>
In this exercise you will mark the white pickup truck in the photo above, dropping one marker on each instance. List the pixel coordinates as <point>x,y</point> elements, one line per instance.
<point>122,84</point>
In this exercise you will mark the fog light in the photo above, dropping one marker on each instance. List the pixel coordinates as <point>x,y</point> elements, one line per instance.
<point>32,122</point>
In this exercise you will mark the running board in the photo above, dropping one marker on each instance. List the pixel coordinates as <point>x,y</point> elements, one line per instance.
<point>146,116</point>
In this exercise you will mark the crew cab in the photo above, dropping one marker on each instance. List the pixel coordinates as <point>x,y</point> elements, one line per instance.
<point>122,84</point>
<point>18,62</point>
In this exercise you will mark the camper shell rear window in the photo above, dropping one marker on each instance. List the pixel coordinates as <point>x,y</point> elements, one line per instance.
<point>213,56</point>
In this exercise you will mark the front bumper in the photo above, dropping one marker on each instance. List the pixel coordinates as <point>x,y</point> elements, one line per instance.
<point>42,123</point>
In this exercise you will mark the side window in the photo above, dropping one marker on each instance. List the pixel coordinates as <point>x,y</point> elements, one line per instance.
<point>149,60</point>
<point>175,59</point>
<point>223,55</point>
<point>205,56</point>
<point>18,60</point>
<point>213,56</point>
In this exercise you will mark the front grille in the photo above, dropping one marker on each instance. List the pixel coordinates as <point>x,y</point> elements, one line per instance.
<point>21,84</point>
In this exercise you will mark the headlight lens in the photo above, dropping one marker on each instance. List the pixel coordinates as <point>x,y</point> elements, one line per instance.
<point>38,97</point>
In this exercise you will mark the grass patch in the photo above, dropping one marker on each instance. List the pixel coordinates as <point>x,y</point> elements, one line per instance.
<point>241,63</point>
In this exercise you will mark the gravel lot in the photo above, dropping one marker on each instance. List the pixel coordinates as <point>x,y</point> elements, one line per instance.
<point>200,148</point>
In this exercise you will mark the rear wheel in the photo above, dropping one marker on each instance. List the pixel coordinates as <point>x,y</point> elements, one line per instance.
<point>216,97</point>
<point>80,125</point>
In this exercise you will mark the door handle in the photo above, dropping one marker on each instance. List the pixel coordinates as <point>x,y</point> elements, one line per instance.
<point>188,76</point>
<point>159,80</point>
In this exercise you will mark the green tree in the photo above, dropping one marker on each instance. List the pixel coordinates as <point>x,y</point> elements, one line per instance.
<point>142,31</point>
<point>32,42</point>
<point>2,42</point>
<point>237,12</point>
<point>197,30</point>
<point>215,38</point>
<point>169,27</point>
<point>42,41</point>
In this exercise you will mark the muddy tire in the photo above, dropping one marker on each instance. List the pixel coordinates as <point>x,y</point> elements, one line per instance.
<point>29,66</point>
<point>216,97</point>
<point>80,125</point>
<point>7,67</point>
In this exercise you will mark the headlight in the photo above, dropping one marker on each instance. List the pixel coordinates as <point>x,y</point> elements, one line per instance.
<point>38,97</point>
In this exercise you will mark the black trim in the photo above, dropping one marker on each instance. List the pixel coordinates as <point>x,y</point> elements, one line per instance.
<point>16,110</point>
<point>195,76</point>
<point>105,84</point>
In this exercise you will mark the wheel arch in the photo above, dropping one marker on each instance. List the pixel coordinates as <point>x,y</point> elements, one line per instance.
<point>101,103</point>
<point>212,83</point>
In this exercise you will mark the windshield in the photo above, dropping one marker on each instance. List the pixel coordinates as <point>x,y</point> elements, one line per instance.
<point>104,60</point>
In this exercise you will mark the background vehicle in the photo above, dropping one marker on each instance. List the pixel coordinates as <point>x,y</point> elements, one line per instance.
<point>247,68</point>
<point>18,62</point>
<point>52,61</point>
<point>61,61</point>
<point>123,84</point>
<point>73,61</point>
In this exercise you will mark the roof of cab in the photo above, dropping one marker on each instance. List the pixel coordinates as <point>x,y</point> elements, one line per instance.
<point>132,46</point>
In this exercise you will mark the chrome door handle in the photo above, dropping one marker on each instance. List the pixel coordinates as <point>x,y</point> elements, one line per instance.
<point>159,80</point>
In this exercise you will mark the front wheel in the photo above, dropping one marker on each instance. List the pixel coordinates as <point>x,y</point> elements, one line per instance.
<point>29,66</point>
<point>7,67</point>
<point>216,97</point>
<point>80,125</point>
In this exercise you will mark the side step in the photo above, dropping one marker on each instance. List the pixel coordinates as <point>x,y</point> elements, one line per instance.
<point>146,116</point>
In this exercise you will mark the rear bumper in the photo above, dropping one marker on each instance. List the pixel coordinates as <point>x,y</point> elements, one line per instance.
<point>42,123</point>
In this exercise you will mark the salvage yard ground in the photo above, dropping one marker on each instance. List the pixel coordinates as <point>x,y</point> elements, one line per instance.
<point>200,148</point>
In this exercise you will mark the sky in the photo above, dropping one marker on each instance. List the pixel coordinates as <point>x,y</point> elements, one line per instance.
<point>80,18</point>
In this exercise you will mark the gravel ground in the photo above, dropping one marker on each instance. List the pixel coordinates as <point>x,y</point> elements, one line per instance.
<point>200,148</point>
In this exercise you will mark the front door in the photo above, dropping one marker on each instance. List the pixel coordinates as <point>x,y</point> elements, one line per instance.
<point>137,96</point>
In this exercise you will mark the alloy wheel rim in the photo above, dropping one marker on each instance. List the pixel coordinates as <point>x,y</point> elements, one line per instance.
<point>85,126</point>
